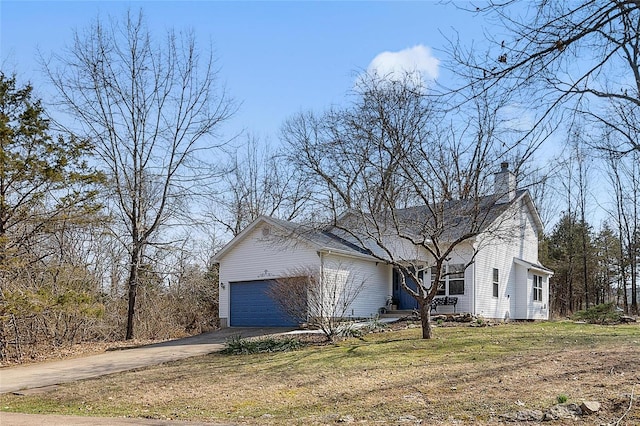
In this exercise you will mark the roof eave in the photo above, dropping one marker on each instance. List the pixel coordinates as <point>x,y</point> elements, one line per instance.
<point>242,235</point>
<point>347,253</point>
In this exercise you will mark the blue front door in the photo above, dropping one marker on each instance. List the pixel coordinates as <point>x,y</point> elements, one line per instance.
<point>405,300</point>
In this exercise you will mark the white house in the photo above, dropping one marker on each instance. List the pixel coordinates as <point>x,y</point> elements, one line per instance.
<point>496,274</point>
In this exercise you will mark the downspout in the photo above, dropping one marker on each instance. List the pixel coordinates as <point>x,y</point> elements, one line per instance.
<point>321,254</point>
<point>474,286</point>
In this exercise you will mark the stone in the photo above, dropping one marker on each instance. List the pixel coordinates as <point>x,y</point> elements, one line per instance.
<point>524,416</point>
<point>590,407</point>
<point>529,416</point>
<point>563,411</point>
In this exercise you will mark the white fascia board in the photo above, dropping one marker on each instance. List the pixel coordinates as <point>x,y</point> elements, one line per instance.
<point>345,253</point>
<point>533,267</point>
<point>241,236</point>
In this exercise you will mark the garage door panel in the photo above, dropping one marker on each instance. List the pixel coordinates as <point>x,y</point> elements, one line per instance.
<point>251,306</point>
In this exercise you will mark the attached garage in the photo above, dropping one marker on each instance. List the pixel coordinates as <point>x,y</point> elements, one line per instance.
<point>251,306</point>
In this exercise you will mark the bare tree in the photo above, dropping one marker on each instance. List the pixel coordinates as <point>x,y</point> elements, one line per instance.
<point>583,55</point>
<point>320,297</point>
<point>414,181</point>
<point>624,174</point>
<point>345,153</point>
<point>257,182</point>
<point>152,111</point>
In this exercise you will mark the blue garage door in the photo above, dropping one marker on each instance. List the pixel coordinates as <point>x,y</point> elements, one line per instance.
<point>251,306</point>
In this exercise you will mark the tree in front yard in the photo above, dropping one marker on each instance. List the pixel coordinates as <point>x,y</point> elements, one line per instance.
<point>403,178</point>
<point>153,110</point>
<point>320,297</point>
<point>47,198</point>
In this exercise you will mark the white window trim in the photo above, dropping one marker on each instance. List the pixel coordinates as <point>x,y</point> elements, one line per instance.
<point>537,279</point>
<point>495,283</point>
<point>446,280</point>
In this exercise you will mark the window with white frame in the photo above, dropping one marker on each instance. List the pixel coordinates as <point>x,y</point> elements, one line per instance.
<point>456,279</point>
<point>453,282</point>
<point>496,282</point>
<point>537,288</point>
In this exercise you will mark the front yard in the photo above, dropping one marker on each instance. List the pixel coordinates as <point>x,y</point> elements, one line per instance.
<point>464,376</point>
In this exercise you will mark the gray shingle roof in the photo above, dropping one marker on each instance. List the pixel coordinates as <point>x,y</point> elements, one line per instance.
<point>446,222</point>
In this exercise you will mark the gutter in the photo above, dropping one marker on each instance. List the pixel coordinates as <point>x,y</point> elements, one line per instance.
<point>346,253</point>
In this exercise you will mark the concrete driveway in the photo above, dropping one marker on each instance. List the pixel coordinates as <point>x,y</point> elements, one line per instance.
<point>15,379</point>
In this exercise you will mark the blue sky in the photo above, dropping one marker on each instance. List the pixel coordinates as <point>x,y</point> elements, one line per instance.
<point>276,58</point>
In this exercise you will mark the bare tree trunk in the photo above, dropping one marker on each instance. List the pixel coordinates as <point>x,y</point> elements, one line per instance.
<point>134,279</point>
<point>425,318</point>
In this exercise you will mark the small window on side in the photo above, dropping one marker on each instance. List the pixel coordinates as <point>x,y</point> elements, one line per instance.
<point>537,288</point>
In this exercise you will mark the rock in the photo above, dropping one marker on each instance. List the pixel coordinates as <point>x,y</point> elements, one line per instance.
<point>466,318</point>
<point>590,407</point>
<point>529,416</point>
<point>346,419</point>
<point>562,411</point>
<point>524,416</point>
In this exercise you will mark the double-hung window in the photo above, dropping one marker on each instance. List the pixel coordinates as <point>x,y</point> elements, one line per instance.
<point>452,283</point>
<point>456,279</point>
<point>496,282</point>
<point>537,288</point>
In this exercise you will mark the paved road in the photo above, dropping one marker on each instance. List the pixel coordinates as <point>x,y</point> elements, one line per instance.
<point>31,376</point>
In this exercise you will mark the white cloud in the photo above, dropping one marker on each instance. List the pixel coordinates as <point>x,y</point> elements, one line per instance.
<point>395,65</point>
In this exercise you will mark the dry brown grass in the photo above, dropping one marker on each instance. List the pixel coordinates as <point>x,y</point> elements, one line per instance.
<point>463,376</point>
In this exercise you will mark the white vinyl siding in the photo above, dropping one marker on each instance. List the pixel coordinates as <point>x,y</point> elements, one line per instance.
<point>372,279</point>
<point>519,240</point>
<point>256,257</point>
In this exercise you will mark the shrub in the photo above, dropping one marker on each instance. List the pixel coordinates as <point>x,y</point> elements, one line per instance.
<point>239,346</point>
<point>562,398</point>
<point>599,314</point>
<point>374,324</point>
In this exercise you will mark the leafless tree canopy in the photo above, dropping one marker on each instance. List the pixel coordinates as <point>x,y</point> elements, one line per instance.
<point>581,55</point>
<point>257,181</point>
<point>320,297</point>
<point>152,110</point>
<point>407,172</point>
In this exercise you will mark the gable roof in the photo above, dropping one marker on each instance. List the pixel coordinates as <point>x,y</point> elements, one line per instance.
<point>319,239</point>
<point>458,218</point>
<point>449,221</point>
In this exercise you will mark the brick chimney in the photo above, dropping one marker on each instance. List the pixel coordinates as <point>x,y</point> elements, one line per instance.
<point>504,184</point>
